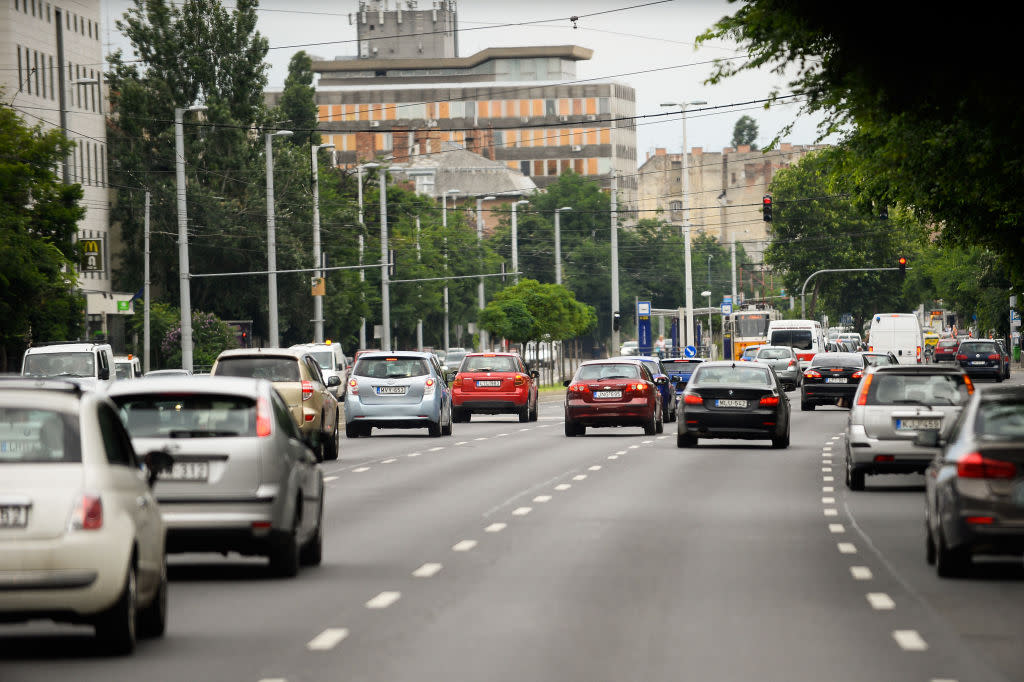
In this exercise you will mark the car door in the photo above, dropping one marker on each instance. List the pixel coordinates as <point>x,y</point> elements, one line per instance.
<point>301,473</point>
<point>328,403</point>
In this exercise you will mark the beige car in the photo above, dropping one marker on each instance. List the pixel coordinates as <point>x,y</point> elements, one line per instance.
<point>297,377</point>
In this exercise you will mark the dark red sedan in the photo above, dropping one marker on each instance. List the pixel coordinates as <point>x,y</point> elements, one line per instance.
<point>945,349</point>
<point>613,393</point>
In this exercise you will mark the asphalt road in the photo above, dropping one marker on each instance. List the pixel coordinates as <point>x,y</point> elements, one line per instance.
<point>510,552</point>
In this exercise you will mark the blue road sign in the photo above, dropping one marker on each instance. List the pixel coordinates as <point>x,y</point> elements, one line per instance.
<point>690,351</point>
<point>643,328</point>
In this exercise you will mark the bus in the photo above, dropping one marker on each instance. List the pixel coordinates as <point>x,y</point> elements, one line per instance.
<point>747,327</point>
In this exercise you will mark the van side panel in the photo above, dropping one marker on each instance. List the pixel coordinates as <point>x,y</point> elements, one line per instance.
<point>899,334</point>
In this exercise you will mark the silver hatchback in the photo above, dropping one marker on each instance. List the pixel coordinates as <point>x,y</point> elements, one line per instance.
<point>398,390</point>
<point>784,361</point>
<point>243,478</point>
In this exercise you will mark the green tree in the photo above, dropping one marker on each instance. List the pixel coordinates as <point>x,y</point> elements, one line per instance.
<point>297,108</point>
<point>744,132</point>
<point>38,219</point>
<point>163,317</point>
<point>210,336</point>
<point>531,311</point>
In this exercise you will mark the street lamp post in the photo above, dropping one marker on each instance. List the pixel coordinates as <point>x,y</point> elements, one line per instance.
<point>686,216</point>
<point>444,224</point>
<point>558,244</point>
<point>479,240</point>
<point>183,274</point>
<point>273,340</point>
<point>708,294</point>
<point>385,284</point>
<point>515,240</point>
<point>318,300</point>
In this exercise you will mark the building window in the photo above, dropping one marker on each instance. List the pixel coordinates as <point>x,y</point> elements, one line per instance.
<point>552,167</point>
<point>604,105</point>
<point>675,206</point>
<point>21,79</point>
<point>538,167</point>
<point>35,68</point>
<point>550,107</point>
<point>524,167</point>
<point>53,92</point>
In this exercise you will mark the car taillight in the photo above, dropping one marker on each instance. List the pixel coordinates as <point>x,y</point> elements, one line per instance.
<point>263,419</point>
<point>520,380</point>
<point>579,388</point>
<point>961,356</point>
<point>969,384</point>
<point>769,401</point>
<point>307,390</point>
<point>862,397</point>
<point>859,374</point>
<point>975,465</point>
<point>428,386</point>
<point>994,356</point>
<point>467,381</point>
<point>88,513</point>
<point>353,387</point>
<point>639,389</point>
<point>792,364</point>
<point>812,374</point>
<point>692,399</point>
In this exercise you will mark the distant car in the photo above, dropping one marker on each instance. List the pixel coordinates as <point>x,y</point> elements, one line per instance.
<point>855,341</point>
<point>665,389</point>
<point>81,535</point>
<point>784,361</point>
<point>398,390</point>
<point>945,350</point>
<point>127,367</point>
<point>612,393</point>
<point>891,406</point>
<point>749,353</point>
<point>831,379</point>
<point>243,480</point>
<point>168,373</point>
<point>880,359</point>
<point>974,487</point>
<point>453,357</point>
<point>332,361</point>
<point>981,358</point>
<point>494,383</point>
<point>725,399</point>
<point>629,348</point>
<point>679,372</point>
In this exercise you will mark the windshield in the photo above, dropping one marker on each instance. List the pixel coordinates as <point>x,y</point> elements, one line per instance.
<point>59,364</point>
<point>730,376</point>
<point>391,367</point>
<point>1000,420</point>
<point>325,359</point>
<point>37,436</point>
<point>800,339</point>
<point>751,325</point>
<point>187,416</point>
<point>608,370</point>
<point>916,389</point>
<point>123,370</point>
<point>261,367</point>
<point>485,363</point>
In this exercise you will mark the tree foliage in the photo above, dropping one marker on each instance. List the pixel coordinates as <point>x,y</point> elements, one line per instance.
<point>297,108</point>
<point>744,132</point>
<point>531,311</point>
<point>210,335</point>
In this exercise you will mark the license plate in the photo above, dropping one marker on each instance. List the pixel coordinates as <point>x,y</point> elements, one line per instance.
<point>835,380</point>
<point>488,383</point>
<point>187,471</point>
<point>13,516</point>
<point>730,403</point>
<point>390,390</point>
<point>978,362</point>
<point>917,424</point>
<point>607,394</point>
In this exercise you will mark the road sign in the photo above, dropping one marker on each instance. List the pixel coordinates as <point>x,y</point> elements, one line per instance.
<point>690,351</point>
<point>727,308</point>
<point>645,344</point>
<point>727,298</point>
<point>124,306</point>
<point>92,254</point>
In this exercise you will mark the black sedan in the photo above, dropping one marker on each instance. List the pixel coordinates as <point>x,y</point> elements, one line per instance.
<point>832,379</point>
<point>981,358</point>
<point>974,488</point>
<point>728,399</point>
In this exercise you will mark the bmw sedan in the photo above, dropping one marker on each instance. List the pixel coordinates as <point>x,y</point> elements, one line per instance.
<point>398,390</point>
<point>974,488</point>
<point>613,393</point>
<point>728,399</point>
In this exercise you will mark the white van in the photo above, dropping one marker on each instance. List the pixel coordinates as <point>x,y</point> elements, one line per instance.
<point>899,334</point>
<point>127,367</point>
<point>805,337</point>
<point>90,364</point>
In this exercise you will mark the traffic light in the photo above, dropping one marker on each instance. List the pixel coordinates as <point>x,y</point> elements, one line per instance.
<point>766,208</point>
<point>616,321</point>
<point>903,265</point>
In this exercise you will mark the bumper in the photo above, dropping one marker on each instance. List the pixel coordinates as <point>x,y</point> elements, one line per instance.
<point>827,393</point>
<point>491,403</point>
<point>1005,533</point>
<point>634,413</point>
<point>907,458</point>
<point>244,526</point>
<point>394,415</point>
<point>757,424</point>
<point>993,372</point>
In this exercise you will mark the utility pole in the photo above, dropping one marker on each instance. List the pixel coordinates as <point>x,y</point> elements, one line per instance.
<point>385,285</point>
<point>272,336</point>
<point>362,273</point>
<point>615,262</point>
<point>318,300</point>
<point>183,267</point>
<point>145,293</point>
<point>480,242</point>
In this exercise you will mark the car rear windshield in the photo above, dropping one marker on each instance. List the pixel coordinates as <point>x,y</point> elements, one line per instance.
<point>608,370</point>
<point>38,436</point>
<point>850,360</point>
<point>916,389</point>
<point>979,347</point>
<point>392,367</point>
<point>774,354</point>
<point>187,416</point>
<point>800,339</point>
<point>877,360</point>
<point>750,352</point>
<point>260,367</point>
<point>488,363</point>
<point>745,375</point>
<point>1000,420</point>
<point>59,364</point>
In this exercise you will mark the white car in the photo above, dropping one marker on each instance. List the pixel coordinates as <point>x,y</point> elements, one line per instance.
<point>81,538</point>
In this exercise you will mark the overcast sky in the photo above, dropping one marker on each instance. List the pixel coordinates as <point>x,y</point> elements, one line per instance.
<point>657,39</point>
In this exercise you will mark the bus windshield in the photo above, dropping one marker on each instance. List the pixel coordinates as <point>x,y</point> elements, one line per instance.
<point>748,326</point>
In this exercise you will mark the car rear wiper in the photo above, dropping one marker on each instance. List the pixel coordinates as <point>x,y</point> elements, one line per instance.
<point>199,433</point>
<point>910,401</point>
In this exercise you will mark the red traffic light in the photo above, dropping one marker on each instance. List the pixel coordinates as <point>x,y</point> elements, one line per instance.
<point>767,200</point>
<point>766,208</point>
<point>903,260</point>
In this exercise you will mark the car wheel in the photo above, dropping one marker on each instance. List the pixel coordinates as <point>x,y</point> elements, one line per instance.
<point>685,440</point>
<point>115,628</point>
<point>330,443</point>
<point>781,442</point>
<point>153,618</point>
<point>929,544</point>
<point>446,429</point>
<point>312,552</point>
<point>524,412</point>
<point>284,558</point>
<point>365,430</point>
<point>352,430</point>
<point>651,426</point>
<point>533,412</point>
<point>999,379</point>
<point>806,407</point>
<point>950,563</point>
<point>854,478</point>
<point>660,428</point>
<point>570,429</point>
<point>434,428</point>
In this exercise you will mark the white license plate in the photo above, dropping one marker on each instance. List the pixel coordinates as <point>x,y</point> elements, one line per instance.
<point>978,362</point>
<point>488,383</point>
<point>187,471</point>
<point>917,424</point>
<point>730,403</point>
<point>13,516</point>
<point>390,390</point>
<point>835,380</point>
<point>607,394</point>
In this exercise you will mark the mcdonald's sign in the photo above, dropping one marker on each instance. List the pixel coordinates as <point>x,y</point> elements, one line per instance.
<point>92,254</point>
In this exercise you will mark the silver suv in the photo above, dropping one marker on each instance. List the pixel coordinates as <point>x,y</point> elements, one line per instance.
<point>892,404</point>
<point>784,361</point>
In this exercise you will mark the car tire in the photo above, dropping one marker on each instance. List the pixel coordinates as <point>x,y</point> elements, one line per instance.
<point>330,444</point>
<point>533,412</point>
<point>365,430</point>
<point>651,426</point>
<point>115,628</point>
<point>312,553</point>
<point>434,428</point>
<point>570,429</point>
<point>660,428</point>
<point>524,412</point>
<point>781,442</point>
<point>950,563</point>
<point>446,429</point>
<point>352,430</point>
<point>929,544</point>
<point>854,478</point>
<point>685,440</point>
<point>153,618</point>
<point>284,557</point>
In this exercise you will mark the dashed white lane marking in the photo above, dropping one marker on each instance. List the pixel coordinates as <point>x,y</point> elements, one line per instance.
<point>826,469</point>
<point>621,452</point>
<point>596,467</point>
<point>500,435</point>
<point>274,679</point>
<point>943,679</point>
<point>828,489</point>
<point>462,442</point>
<point>633,447</point>
<point>646,442</point>
<point>835,437</point>
<point>544,426</point>
<point>909,640</point>
<point>880,601</point>
<point>831,511</point>
<point>438,448</point>
<point>464,546</point>
<point>495,528</point>
<point>613,456</point>
<point>360,470</point>
<point>828,500</point>
<point>828,479</point>
<point>579,477</point>
<point>481,438</point>
<point>328,479</point>
<point>542,498</point>
<point>414,454</point>
<point>521,511</point>
<point>662,437</point>
<point>836,528</point>
<point>427,571</point>
<point>389,461</point>
<point>847,548</point>
<point>383,600</point>
<point>328,639</point>
<point>826,461</point>
<point>860,572</point>
<point>563,486</point>
<point>521,430</point>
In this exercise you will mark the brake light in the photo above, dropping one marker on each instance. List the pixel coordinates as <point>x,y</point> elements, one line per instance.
<point>769,401</point>
<point>812,374</point>
<point>961,356</point>
<point>975,465</point>
<point>88,513</point>
<point>980,520</point>
<point>520,380</point>
<point>862,397</point>
<point>263,420</point>
<point>353,387</point>
<point>859,374</point>
<point>692,399</point>
<point>792,364</point>
<point>639,389</point>
<point>428,386</point>
<point>994,356</point>
<point>307,390</point>
<point>579,388</point>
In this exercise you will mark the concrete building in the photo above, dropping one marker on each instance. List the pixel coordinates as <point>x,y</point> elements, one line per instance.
<point>409,92</point>
<point>51,60</point>
<point>726,189</point>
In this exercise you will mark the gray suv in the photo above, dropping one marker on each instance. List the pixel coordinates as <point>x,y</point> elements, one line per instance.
<point>784,361</point>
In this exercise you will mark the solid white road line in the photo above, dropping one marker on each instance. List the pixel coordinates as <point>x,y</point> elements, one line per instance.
<point>279,679</point>
<point>464,546</point>
<point>847,548</point>
<point>831,511</point>
<point>427,571</point>
<point>880,601</point>
<point>383,600</point>
<point>521,511</point>
<point>328,639</point>
<point>495,528</point>
<point>860,572</point>
<point>542,498</point>
<point>360,470</point>
<point>909,640</point>
<point>563,486</point>
<point>328,479</point>
<point>836,528</point>
<point>646,442</point>
<point>579,477</point>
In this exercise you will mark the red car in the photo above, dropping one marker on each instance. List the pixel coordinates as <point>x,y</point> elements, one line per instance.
<point>494,383</point>
<point>945,350</point>
<point>613,393</point>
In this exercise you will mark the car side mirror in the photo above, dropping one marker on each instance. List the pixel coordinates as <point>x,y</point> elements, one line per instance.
<point>566,383</point>
<point>334,380</point>
<point>927,439</point>
<point>535,374</point>
<point>661,381</point>
<point>104,373</point>
<point>156,462</point>
<point>449,375</point>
